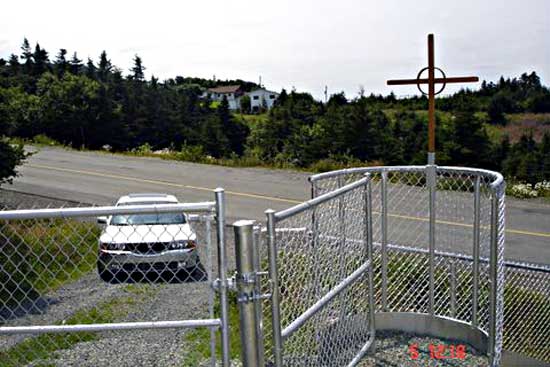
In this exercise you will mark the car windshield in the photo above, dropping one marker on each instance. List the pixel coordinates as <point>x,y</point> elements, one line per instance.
<point>147,219</point>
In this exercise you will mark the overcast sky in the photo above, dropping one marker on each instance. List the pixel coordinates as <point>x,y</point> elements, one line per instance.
<point>301,44</point>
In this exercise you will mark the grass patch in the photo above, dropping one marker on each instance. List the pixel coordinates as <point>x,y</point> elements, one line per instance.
<point>44,346</point>
<point>38,256</point>
<point>197,341</point>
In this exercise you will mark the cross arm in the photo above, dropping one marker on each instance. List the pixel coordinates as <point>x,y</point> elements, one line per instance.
<point>459,79</point>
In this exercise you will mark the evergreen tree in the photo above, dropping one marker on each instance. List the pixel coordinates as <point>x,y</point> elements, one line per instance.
<point>14,65</point>
<point>27,55</point>
<point>41,61</point>
<point>138,69</point>
<point>75,65</point>
<point>61,63</point>
<point>91,70</point>
<point>104,67</point>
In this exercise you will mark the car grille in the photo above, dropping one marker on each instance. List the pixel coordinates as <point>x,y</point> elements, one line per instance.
<point>147,248</point>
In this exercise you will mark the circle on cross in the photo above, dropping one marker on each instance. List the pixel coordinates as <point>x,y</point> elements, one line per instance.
<point>444,77</point>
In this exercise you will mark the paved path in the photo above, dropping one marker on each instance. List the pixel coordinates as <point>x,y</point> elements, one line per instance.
<point>101,178</point>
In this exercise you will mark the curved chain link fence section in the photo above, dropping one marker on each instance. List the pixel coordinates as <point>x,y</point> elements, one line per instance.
<point>522,304</point>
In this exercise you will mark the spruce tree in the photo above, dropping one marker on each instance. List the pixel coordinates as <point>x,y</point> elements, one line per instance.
<point>138,69</point>
<point>104,67</point>
<point>75,65</point>
<point>26,55</point>
<point>61,63</point>
<point>41,61</point>
<point>90,69</point>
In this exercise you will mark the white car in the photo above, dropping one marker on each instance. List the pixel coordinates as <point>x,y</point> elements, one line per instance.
<point>159,244</point>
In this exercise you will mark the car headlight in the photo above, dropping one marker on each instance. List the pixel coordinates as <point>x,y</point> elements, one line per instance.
<point>180,245</point>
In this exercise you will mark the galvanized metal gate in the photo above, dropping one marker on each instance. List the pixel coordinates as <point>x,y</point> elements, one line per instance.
<point>306,290</point>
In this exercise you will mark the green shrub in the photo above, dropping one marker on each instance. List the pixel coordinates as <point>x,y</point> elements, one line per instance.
<point>191,153</point>
<point>143,149</point>
<point>42,139</point>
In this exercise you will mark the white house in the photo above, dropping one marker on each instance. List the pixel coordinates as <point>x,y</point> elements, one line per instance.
<point>231,92</point>
<point>262,98</point>
<point>259,98</point>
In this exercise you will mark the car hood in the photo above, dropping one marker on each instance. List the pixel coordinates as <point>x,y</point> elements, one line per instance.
<point>147,233</point>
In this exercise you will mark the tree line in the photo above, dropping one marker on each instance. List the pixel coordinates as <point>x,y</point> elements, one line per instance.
<point>94,104</point>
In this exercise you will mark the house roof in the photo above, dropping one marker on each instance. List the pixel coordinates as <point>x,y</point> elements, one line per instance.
<point>225,89</point>
<point>263,90</point>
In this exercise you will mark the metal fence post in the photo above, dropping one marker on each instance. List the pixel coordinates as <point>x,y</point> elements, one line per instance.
<point>210,275</point>
<point>246,279</point>
<point>475,252</point>
<point>342,244</point>
<point>493,277</point>
<point>384,222</point>
<point>258,300</point>
<point>431,179</point>
<point>275,296</point>
<point>370,255</point>
<point>452,287</point>
<point>222,267</point>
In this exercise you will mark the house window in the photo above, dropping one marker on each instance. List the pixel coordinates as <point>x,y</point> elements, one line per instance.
<point>272,96</point>
<point>256,97</point>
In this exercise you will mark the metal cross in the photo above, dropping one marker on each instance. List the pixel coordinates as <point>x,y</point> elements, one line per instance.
<point>432,81</point>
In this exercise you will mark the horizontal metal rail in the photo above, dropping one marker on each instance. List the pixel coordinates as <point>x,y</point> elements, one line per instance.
<point>206,206</point>
<point>497,178</point>
<point>319,200</point>
<point>318,306</point>
<point>508,263</point>
<point>359,170</point>
<point>186,324</point>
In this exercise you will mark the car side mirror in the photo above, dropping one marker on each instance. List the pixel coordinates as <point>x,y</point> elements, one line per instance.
<point>102,220</point>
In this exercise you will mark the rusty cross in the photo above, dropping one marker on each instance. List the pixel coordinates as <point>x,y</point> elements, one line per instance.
<point>432,81</point>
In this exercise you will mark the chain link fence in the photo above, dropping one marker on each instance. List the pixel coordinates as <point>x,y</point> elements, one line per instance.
<point>469,218</point>
<point>73,279</point>
<point>321,281</point>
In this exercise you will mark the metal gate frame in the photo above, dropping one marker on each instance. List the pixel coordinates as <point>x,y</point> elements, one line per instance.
<point>217,208</point>
<point>248,246</point>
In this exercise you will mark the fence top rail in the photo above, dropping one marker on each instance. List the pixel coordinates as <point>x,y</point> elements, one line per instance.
<point>320,199</point>
<point>206,206</point>
<point>495,176</point>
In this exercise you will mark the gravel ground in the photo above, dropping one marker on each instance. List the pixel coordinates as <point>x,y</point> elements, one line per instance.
<point>142,348</point>
<point>61,304</point>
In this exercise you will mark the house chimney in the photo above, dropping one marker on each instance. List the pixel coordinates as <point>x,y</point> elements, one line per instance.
<point>260,84</point>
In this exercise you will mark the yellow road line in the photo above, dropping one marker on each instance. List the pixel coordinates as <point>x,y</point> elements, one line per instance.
<point>256,196</point>
<point>513,231</point>
<point>158,182</point>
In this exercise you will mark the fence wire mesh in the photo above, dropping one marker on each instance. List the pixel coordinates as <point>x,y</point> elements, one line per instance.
<point>146,266</point>
<point>523,309</point>
<point>317,250</point>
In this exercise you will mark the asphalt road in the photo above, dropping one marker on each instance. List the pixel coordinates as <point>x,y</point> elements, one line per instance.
<point>100,178</point>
